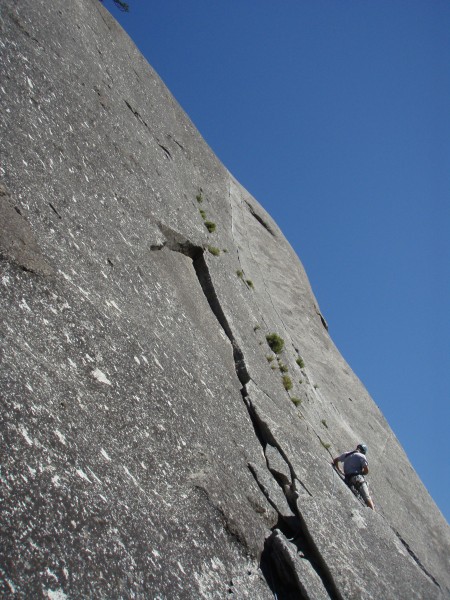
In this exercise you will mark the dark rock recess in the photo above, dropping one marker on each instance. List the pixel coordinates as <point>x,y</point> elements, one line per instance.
<point>149,446</point>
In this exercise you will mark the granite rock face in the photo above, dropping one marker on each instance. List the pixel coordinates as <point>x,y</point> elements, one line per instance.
<point>150,448</point>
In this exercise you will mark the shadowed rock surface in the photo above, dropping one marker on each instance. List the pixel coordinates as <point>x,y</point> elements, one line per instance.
<point>149,446</point>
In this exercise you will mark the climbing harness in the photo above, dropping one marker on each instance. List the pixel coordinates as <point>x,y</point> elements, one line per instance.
<point>355,482</point>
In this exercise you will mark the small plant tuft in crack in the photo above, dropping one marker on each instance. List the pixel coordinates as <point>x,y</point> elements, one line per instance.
<point>324,423</point>
<point>287,382</point>
<point>283,368</point>
<point>256,327</point>
<point>249,282</point>
<point>296,401</point>
<point>202,213</point>
<point>270,358</point>
<point>199,198</point>
<point>210,226</point>
<point>300,362</point>
<point>240,274</point>
<point>213,250</point>
<point>276,343</point>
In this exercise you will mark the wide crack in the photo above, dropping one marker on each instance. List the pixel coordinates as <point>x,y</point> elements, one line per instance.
<point>204,278</point>
<point>290,525</point>
<point>294,529</point>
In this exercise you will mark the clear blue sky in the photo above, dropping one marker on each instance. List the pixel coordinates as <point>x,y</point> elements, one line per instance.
<point>335,115</point>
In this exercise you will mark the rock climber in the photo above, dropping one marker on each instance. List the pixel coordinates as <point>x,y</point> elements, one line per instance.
<point>355,467</point>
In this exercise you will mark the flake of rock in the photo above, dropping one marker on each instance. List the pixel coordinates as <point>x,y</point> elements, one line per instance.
<point>296,573</point>
<point>272,491</point>
<point>277,465</point>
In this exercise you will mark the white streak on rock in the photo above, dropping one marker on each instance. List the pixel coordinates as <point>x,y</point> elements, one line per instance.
<point>100,376</point>
<point>10,584</point>
<point>60,437</point>
<point>104,454</point>
<point>24,305</point>
<point>24,432</point>
<point>115,305</point>
<point>137,360</point>
<point>94,475</point>
<point>188,374</point>
<point>130,476</point>
<point>55,595</point>
<point>158,363</point>
<point>83,475</point>
<point>124,239</point>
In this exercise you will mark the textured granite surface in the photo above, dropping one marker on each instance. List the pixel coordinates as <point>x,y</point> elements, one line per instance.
<point>149,446</point>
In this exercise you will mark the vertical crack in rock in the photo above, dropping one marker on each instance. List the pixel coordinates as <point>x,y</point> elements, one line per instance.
<point>290,524</point>
<point>235,240</point>
<point>291,575</point>
<point>54,210</point>
<point>22,28</point>
<point>264,433</point>
<point>165,150</point>
<point>293,527</point>
<point>416,558</point>
<point>265,283</point>
<point>322,318</point>
<point>204,277</point>
<point>176,142</point>
<point>136,114</point>
<point>260,219</point>
<point>177,243</point>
